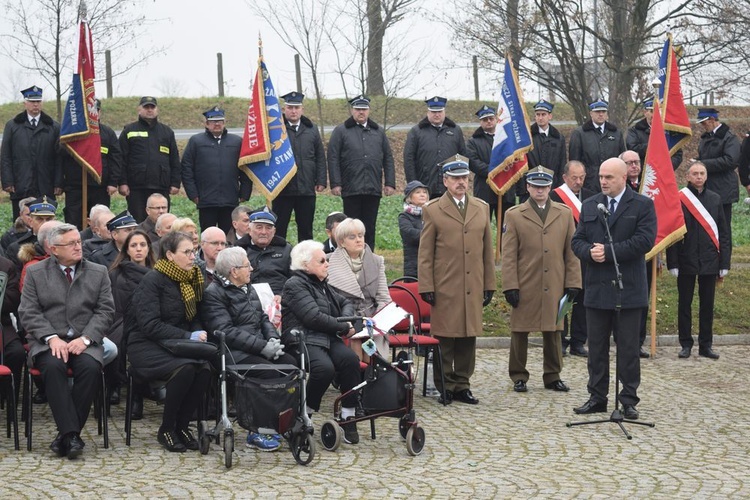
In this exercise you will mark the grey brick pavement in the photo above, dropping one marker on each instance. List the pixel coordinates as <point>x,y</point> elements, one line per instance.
<point>510,446</point>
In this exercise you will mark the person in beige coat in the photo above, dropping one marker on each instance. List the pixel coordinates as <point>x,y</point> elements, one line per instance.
<point>538,267</point>
<point>456,276</point>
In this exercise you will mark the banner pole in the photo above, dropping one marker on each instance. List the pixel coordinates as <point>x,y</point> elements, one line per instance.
<point>84,198</point>
<point>653,305</point>
<point>499,217</point>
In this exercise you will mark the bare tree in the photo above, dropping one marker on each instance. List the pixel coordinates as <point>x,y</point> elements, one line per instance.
<point>44,38</point>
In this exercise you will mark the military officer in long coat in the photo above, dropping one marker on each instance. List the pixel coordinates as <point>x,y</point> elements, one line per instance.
<point>456,275</point>
<point>538,267</point>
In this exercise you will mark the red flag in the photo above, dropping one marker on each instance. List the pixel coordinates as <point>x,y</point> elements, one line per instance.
<point>676,120</point>
<point>256,145</point>
<point>660,185</point>
<point>79,131</point>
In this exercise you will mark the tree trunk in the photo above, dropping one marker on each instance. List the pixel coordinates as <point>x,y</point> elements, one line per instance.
<point>375,84</point>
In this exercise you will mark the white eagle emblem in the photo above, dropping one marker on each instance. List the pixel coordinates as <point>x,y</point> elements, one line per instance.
<point>649,182</point>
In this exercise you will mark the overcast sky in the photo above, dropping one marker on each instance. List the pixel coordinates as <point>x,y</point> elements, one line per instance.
<point>195,30</point>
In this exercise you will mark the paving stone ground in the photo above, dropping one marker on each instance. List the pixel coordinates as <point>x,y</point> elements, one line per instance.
<point>509,446</point>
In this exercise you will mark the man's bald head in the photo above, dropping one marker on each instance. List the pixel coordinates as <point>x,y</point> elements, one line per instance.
<point>613,174</point>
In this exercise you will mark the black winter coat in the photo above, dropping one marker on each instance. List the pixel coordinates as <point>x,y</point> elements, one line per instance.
<point>29,160</point>
<point>426,146</point>
<point>637,141</point>
<point>479,151</point>
<point>125,279</point>
<point>210,173</point>
<point>111,163</point>
<point>150,156</point>
<point>696,254</point>
<point>360,160</point>
<point>312,305</point>
<point>270,264</point>
<point>105,254</point>
<point>720,153</point>
<point>310,158</point>
<point>592,149</point>
<point>239,315</point>
<point>410,227</point>
<point>11,301</point>
<point>549,152</point>
<point>157,312</point>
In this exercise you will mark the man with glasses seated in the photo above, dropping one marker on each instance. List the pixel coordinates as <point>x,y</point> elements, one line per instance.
<point>213,241</point>
<point>119,227</point>
<point>66,307</point>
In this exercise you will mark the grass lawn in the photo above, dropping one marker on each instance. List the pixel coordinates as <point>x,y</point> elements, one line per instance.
<point>731,295</point>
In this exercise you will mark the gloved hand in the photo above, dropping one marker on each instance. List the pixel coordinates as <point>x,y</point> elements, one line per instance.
<point>428,297</point>
<point>674,272</point>
<point>572,292</point>
<point>723,272</point>
<point>512,297</point>
<point>196,335</point>
<point>271,350</point>
<point>487,297</point>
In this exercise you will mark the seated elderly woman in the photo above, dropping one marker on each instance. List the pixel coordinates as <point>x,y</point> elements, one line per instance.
<point>310,304</point>
<point>165,306</point>
<point>231,305</point>
<point>358,274</point>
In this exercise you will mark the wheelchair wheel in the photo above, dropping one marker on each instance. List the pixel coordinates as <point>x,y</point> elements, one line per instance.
<point>303,448</point>
<point>404,424</point>
<point>331,435</point>
<point>228,447</point>
<point>204,439</point>
<point>415,440</point>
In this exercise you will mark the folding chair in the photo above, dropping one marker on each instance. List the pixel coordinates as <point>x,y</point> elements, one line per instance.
<point>7,380</point>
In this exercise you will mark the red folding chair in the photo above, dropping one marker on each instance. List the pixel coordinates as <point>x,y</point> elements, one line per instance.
<point>7,381</point>
<point>408,301</point>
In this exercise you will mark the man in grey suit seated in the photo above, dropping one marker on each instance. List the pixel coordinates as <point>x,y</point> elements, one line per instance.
<point>66,307</point>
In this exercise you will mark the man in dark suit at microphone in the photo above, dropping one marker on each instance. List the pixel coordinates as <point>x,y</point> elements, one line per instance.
<point>632,222</point>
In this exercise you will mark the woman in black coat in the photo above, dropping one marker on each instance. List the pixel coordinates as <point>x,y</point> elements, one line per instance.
<point>309,304</point>
<point>165,306</point>
<point>416,195</point>
<point>133,262</point>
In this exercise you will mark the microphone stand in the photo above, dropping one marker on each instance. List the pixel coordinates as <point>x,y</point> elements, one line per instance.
<point>617,416</point>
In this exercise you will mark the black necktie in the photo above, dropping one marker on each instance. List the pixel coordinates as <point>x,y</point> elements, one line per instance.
<point>69,274</point>
<point>33,123</point>
<point>612,205</point>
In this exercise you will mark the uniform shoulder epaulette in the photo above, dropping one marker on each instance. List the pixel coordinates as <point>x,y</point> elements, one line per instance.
<point>481,201</point>
<point>514,207</point>
<point>430,202</point>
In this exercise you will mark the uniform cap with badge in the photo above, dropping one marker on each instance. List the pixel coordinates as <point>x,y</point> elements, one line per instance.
<point>436,103</point>
<point>360,102</point>
<point>485,111</point>
<point>599,105</point>
<point>32,94</point>
<point>543,105</point>
<point>539,176</point>
<point>263,216</point>
<point>455,166</point>
<point>147,100</point>
<point>706,113</point>
<point>648,103</point>
<point>121,221</point>
<point>293,98</point>
<point>215,114</point>
<point>42,207</point>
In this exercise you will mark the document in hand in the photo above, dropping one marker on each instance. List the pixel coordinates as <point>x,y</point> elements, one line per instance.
<point>385,319</point>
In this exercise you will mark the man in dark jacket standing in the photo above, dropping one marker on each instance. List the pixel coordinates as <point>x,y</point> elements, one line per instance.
<point>596,141</point>
<point>549,143</point>
<point>639,134</point>
<point>632,222</point>
<point>151,162</point>
<point>310,158</point>
<point>97,193</point>
<point>29,163</point>
<point>429,142</point>
<point>719,151</point>
<point>478,151</point>
<point>360,161</point>
<point>702,254</point>
<point>210,174</point>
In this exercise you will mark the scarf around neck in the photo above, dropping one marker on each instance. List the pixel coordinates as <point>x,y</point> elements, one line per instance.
<point>412,209</point>
<point>191,284</point>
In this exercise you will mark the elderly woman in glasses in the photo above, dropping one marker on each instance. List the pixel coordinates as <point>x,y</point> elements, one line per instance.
<point>165,306</point>
<point>358,274</point>
<point>310,304</point>
<point>231,305</point>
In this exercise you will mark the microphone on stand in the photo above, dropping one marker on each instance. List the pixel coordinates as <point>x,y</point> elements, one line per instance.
<point>603,210</point>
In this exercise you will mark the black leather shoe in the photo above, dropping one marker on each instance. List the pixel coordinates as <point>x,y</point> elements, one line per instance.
<point>351,436</point>
<point>170,441</point>
<point>58,446</point>
<point>136,411</point>
<point>557,385</point>
<point>591,406</point>
<point>40,397</point>
<point>684,353</point>
<point>644,354</point>
<point>448,399</point>
<point>465,396</point>
<point>520,386</point>
<point>75,445</point>
<point>708,353</point>
<point>187,438</point>
<point>114,396</point>
<point>579,351</point>
<point>629,412</point>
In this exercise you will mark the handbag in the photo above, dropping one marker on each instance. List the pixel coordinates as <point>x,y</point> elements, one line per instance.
<point>186,348</point>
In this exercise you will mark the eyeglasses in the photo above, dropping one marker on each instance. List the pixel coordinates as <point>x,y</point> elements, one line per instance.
<point>188,253</point>
<point>158,208</point>
<point>633,162</point>
<point>217,243</point>
<point>76,243</point>
<point>246,266</point>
